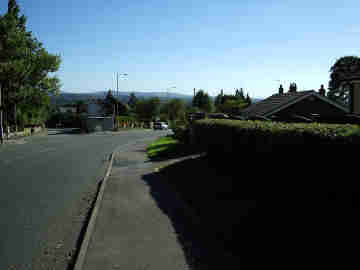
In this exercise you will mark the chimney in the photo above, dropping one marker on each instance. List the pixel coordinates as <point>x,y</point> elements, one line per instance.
<point>281,90</point>
<point>194,92</point>
<point>322,90</point>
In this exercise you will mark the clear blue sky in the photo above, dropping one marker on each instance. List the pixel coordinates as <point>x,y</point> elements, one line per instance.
<point>195,44</point>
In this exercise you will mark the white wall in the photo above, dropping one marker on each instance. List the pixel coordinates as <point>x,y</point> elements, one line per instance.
<point>99,123</point>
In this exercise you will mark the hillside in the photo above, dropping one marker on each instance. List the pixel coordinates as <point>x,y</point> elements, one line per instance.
<point>68,97</point>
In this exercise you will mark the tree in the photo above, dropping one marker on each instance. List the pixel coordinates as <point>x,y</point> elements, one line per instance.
<point>122,108</point>
<point>240,94</point>
<point>220,99</point>
<point>175,109</point>
<point>202,101</point>
<point>232,104</point>
<point>292,88</point>
<point>340,73</point>
<point>80,106</point>
<point>148,109</point>
<point>248,100</point>
<point>24,64</point>
<point>109,103</point>
<point>342,69</point>
<point>132,100</point>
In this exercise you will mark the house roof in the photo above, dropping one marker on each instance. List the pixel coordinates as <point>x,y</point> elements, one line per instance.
<point>278,102</point>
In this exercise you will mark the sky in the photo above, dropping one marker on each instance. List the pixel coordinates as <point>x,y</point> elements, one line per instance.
<point>202,44</point>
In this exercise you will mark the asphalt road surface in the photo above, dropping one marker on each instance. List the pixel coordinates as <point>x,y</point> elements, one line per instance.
<point>43,185</point>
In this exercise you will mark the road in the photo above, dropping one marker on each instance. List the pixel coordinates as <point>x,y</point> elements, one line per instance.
<point>44,183</point>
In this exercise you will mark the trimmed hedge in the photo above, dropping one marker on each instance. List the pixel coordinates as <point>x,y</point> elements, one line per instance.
<point>126,118</point>
<point>181,133</point>
<point>235,136</point>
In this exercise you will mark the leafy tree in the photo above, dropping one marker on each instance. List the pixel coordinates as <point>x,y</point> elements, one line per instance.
<point>191,109</point>
<point>248,100</point>
<point>292,88</point>
<point>340,72</point>
<point>342,69</point>
<point>24,65</point>
<point>123,108</point>
<point>109,103</point>
<point>80,107</point>
<point>219,99</point>
<point>202,101</point>
<point>232,104</point>
<point>175,109</point>
<point>148,109</point>
<point>132,100</point>
<point>240,94</point>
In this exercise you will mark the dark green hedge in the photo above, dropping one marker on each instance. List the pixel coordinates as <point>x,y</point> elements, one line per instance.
<point>126,119</point>
<point>236,136</point>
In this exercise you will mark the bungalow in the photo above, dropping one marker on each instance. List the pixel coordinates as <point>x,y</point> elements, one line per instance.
<point>302,106</point>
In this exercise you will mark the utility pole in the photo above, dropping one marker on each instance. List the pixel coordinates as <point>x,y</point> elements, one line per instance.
<point>124,77</point>
<point>1,117</point>
<point>117,84</point>
<point>168,99</point>
<point>117,92</point>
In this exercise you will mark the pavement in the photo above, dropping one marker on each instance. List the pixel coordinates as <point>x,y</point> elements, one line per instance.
<point>142,224</point>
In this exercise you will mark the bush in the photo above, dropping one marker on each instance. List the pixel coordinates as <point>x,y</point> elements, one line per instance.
<point>277,146</point>
<point>181,133</point>
<point>264,136</point>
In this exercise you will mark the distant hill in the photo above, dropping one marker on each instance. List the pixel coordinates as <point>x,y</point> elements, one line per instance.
<point>68,97</point>
<point>254,100</point>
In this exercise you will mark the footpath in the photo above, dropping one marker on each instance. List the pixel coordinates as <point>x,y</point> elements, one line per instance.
<point>141,223</point>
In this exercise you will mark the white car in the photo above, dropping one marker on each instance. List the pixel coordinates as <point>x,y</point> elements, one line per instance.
<point>160,125</point>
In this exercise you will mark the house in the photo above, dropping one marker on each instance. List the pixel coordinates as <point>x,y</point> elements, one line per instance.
<point>94,117</point>
<point>95,107</point>
<point>67,109</point>
<point>299,106</point>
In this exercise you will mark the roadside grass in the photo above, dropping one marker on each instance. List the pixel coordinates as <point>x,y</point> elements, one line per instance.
<point>167,148</point>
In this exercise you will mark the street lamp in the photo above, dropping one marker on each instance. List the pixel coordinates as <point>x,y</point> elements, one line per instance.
<point>1,118</point>
<point>123,76</point>
<point>1,109</point>
<point>167,97</point>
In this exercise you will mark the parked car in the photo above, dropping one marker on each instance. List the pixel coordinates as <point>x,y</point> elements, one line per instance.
<point>160,125</point>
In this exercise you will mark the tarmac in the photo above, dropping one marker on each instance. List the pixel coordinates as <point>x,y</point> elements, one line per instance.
<point>140,223</point>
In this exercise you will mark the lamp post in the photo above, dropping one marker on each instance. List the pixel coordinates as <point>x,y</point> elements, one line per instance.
<point>1,110</point>
<point>123,76</point>
<point>1,117</point>
<point>167,97</point>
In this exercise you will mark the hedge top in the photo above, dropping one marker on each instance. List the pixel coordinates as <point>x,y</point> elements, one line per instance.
<point>328,131</point>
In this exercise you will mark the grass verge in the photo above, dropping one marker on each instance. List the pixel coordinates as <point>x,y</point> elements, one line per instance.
<point>167,148</point>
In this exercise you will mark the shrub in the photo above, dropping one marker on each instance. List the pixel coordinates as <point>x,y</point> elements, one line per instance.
<point>290,142</point>
<point>181,133</point>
